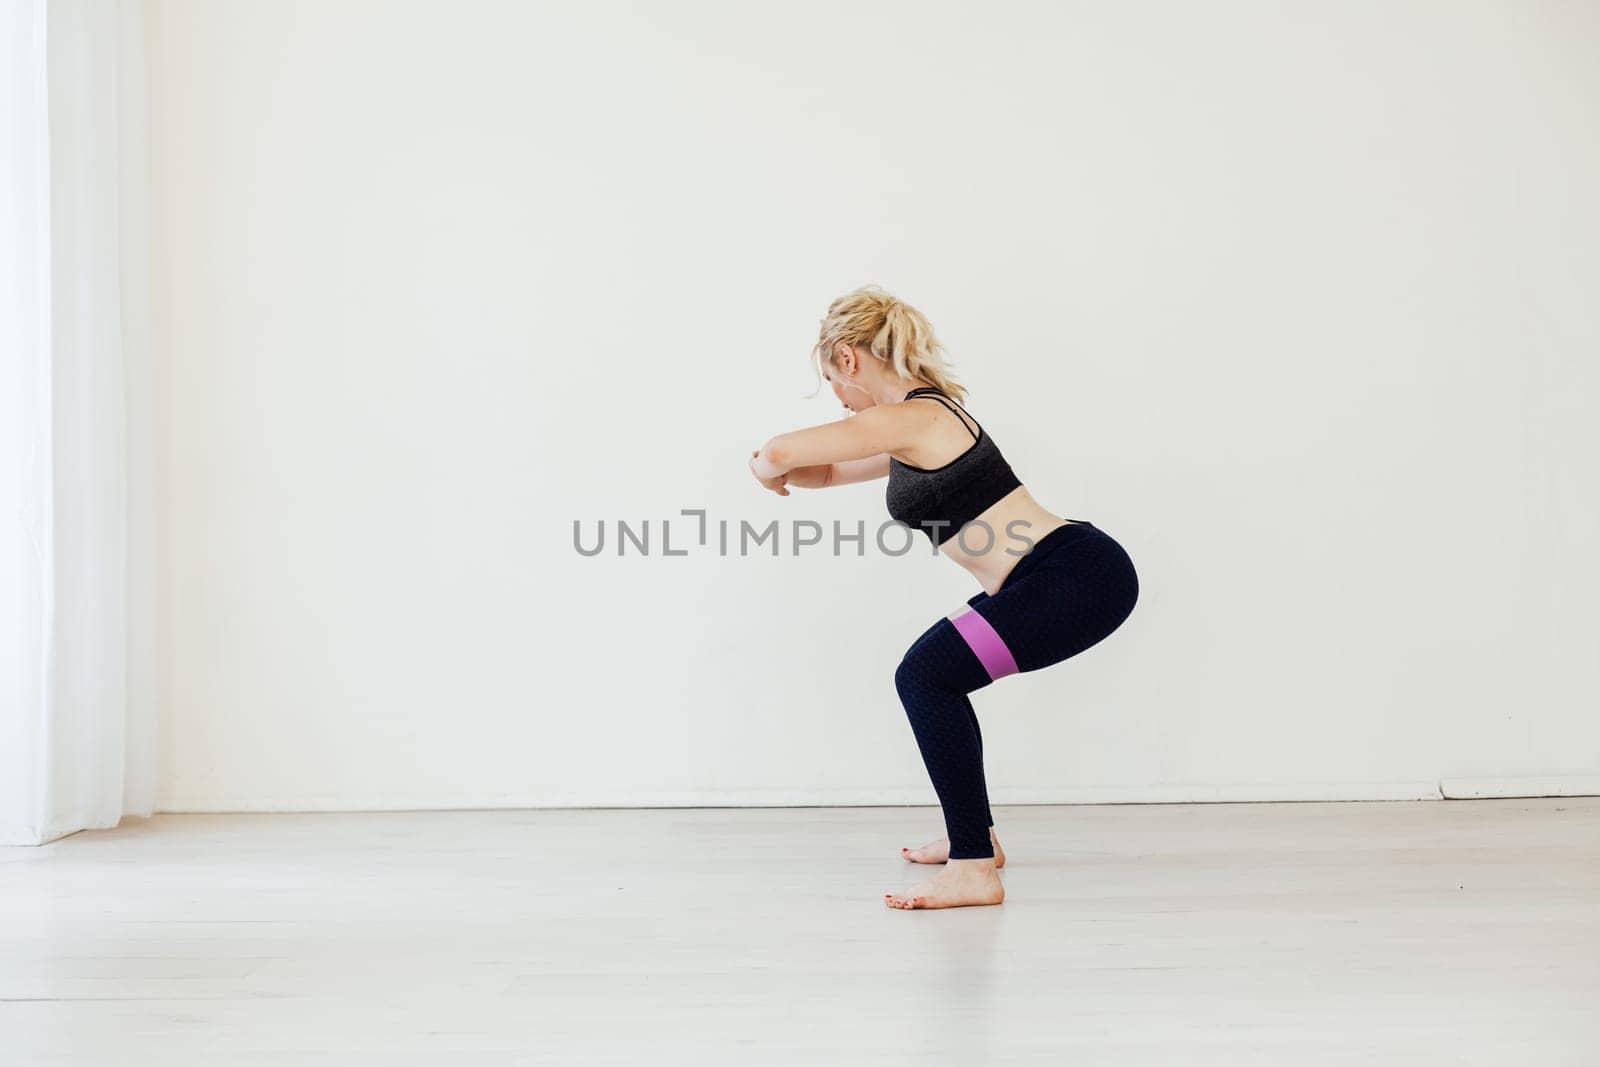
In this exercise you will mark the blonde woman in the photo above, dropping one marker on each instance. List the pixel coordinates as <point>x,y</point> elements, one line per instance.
<point>1051,586</point>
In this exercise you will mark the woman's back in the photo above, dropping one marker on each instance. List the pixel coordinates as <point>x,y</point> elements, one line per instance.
<point>977,486</point>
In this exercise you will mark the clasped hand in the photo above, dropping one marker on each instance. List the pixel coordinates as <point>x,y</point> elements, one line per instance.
<point>776,483</point>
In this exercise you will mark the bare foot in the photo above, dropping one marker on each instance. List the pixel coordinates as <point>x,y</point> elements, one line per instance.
<point>939,851</point>
<point>961,883</point>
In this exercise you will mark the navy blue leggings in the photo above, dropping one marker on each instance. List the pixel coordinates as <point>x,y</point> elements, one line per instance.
<point>1073,588</point>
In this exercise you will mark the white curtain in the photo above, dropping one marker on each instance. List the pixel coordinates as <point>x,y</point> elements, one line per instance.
<point>78,715</point>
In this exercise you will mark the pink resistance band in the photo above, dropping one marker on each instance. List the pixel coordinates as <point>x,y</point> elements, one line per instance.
<point>982,638</point>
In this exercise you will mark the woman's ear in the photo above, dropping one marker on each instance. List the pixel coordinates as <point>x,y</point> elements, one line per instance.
<point>844,359</point>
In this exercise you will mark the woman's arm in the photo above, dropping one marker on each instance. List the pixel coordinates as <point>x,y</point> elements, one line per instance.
<point>866,436</point>
<point>823,475</point>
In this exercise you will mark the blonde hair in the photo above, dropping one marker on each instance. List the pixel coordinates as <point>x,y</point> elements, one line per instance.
<point>891,330</point>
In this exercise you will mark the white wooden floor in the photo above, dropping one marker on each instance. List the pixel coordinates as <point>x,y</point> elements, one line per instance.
<point>1442,932</point>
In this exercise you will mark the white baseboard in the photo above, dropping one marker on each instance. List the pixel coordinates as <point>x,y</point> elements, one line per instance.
<point>818,798</point>
<point>1445,789</point>
<point>1576,785</point>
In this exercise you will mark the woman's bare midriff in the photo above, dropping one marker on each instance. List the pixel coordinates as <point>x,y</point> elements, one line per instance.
<point>997,539</point>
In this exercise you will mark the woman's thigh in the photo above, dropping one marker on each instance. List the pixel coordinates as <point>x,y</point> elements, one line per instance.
<point>1067,602</point>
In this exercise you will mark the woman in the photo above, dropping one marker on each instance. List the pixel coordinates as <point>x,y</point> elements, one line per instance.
<point>1052,587</point>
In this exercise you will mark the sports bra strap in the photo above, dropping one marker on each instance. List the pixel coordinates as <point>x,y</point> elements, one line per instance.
<point>934,394</point>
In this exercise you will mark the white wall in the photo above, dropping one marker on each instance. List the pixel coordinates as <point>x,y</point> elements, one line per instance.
<point>1294,301</point>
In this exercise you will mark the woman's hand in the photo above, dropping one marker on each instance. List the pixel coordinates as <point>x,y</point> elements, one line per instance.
<point>775,482</point>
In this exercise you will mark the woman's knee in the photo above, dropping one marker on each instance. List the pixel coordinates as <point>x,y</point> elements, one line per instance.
<point>940,661</point>
<point>912,675</point>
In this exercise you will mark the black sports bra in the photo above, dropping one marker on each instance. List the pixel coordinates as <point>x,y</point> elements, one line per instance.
<point>939,501</point>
